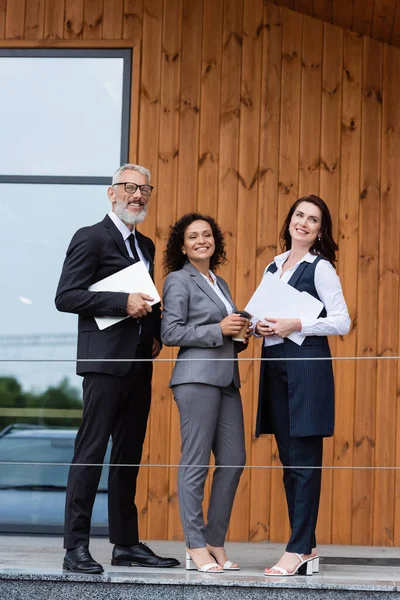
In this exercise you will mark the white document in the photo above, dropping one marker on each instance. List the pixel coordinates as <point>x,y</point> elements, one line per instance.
<point>275,298</point>
<point>135,278</point>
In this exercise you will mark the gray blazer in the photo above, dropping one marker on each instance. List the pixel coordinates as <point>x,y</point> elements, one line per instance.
<point>190,319</point>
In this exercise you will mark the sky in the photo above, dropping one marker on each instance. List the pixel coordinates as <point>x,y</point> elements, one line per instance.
<point>70,126</point>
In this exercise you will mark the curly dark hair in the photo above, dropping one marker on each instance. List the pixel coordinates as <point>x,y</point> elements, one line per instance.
<point>326,246</point>
<point>174,259</point>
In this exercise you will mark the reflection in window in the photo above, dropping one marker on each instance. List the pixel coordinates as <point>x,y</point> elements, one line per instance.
<point>36,226</point>
<point>32,493</point>
<point>64,118</point>
<point>60,115</point>
<point>29,449</point>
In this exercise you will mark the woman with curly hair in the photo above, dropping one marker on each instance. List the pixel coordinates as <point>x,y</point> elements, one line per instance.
<point>199,317</point>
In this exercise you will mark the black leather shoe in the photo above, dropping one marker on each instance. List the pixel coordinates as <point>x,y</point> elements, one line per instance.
<point>80,560</point>
<point>140,555</point>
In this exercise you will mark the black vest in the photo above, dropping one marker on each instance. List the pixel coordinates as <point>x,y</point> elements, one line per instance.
<point>310,383</point>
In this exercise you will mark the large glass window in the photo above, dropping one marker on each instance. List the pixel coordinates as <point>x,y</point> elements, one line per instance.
<point>64,118</point>
<point>36,225</point>
<point>33,483</point>
<point>64,114</point>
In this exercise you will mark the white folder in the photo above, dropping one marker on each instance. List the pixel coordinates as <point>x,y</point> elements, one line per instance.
<point>132,279</point>
<point>275,298</point>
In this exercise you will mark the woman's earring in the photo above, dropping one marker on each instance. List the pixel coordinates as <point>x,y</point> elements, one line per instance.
<point>319,238</point>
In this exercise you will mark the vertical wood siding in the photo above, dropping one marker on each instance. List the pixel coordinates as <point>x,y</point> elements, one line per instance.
<point>243,107</point>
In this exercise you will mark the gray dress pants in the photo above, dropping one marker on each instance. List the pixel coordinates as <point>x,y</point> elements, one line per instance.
<point>211,419</point>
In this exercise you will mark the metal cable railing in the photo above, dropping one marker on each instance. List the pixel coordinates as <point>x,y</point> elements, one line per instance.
<point>202,466</point>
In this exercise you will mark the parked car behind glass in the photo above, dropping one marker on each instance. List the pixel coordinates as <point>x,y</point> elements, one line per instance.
<point>32,495</point>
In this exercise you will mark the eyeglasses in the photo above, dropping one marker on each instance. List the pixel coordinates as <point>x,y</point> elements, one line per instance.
<point>131,188</point>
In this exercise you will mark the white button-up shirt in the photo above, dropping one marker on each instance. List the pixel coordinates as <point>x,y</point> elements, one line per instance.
<point>126,232</point>
<point>214,286</point>
<point>329,290</point>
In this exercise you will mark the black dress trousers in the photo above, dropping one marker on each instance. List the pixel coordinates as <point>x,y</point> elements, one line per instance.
<point>117,407</point>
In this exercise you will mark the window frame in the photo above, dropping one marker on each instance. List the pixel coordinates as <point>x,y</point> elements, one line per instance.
<point>74,47</point>
<point>127,54</point>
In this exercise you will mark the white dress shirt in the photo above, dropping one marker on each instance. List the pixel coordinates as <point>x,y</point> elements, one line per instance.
<point>214,286</point>
<point>126,232</point>
<point>329,290</point>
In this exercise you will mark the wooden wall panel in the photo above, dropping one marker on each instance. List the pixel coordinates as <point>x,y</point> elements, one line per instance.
<point>388,304</point>
<point>190,105</point>
<point>207,195</point>
<point>290,112</point>
<point>304,6</point>
<point>395,39</point>
<point>231,62</point>
<point>343,14</point>
<point>330,191</point>
<point>148,154</point>
<point>3,14</point>
<point>163,501</point>
<point>132,20</point>
<point>382,23</point>
<point>261,449</point>
<point>323,9</point>
<point>287,194</point>
<point>248,176</point>
<point>396,536</point>
<point>378,19</point>
<point>93,16</point>
<point>73,19</point>
<point>34,20</point>
<point>310,126</point>
<point>164,481</point>
<point>54,20</point>
<point>348,268</point>
<point>289,4</point>
<point>132,31</point>
<point>232,40</point>
<point>208,140</point>
<point>367,300</point>
<point>331,118</point>
<point>244,106</point>
<point>15,19</point>
<point>113,17</point>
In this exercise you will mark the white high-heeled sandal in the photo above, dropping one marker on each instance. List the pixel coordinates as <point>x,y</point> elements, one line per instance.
<point>191,566</point>
<point>305,567</point>
<point>315,564</point>
<point>228,564</point>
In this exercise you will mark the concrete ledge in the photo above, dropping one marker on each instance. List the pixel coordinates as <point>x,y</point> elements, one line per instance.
<point>30,569</point>
<point>25,585</point>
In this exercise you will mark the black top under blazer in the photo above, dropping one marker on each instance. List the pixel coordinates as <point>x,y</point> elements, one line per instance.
<point>310,383</point>
<point>95,252</point>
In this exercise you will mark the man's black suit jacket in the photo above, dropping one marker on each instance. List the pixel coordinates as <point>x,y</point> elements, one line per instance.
<point>96,252</point>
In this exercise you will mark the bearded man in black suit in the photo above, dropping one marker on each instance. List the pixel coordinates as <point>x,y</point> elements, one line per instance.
<point>116,394</point>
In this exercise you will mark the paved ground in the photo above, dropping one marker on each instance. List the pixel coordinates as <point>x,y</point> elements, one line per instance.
<point>349,565</point>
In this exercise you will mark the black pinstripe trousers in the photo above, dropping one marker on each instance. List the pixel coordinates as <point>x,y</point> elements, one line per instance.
<point>302,485</point>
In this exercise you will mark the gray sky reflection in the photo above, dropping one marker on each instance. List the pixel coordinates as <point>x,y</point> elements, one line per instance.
<point>72,122</point>
<point>58,116</point>
<point>36,225</point>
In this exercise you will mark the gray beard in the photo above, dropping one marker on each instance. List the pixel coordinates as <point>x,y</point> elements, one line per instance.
<point>127,217</point>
